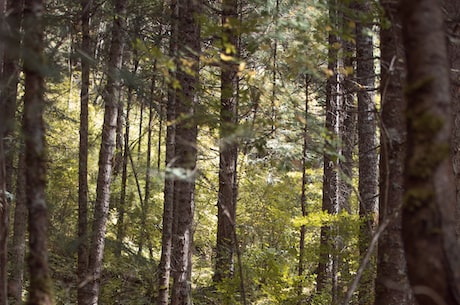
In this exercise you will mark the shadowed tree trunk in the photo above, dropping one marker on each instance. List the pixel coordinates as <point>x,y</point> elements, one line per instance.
<point>428,222</point>
<point>35,154</point>
<point>185,149</point>
<point>367,146</point>
<point>391,285</point>
<point>82,260</point>
<point>452,8</point>
<point>325,277</point>
<point>166,235</point>
<point>226,205</point>
<point>106,154</point>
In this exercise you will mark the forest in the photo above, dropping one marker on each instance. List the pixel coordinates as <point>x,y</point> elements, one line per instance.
<point>217,152</point>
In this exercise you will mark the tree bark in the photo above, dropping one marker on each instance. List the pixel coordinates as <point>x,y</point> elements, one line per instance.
<point>106,154</point>
<point>325,277</point>
<point>185,150</point>
<point>35,154</point>
<point>392,285</point>
<point>168,202</point>
<point>226,205</point>
<point>452,9</point>
<point>16,282</point>
<point>367,148</point>
<point>428,223</point>
<point>82,259</point>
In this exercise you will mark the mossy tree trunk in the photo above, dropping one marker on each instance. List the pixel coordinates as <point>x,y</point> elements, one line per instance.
<point>428,222</point>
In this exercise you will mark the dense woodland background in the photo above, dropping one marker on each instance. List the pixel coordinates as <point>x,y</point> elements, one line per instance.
<point>229,152</point>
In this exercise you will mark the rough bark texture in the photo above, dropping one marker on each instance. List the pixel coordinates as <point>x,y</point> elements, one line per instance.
<point>35,155</point>
<point>8,92</point>
<point>4,219</point>
<point>185,149</point>
<point>428,222</point>
<point>325,276</point>
<point>82,260</point>
<point>166,235</point>
<point>9,81</point>
<point>16,282</point>
<point>367,148</point>
<point>392,285</point>
<point>452,9</point>
<point>226,204</point>
<point>106,154</point>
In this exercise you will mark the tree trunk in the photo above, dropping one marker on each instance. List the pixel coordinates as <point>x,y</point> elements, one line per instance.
<point>166,237</point>
<point>303,194</point>
<point>9,82</point>
<point>428,222</point>
<point>4,218</point>
<point>185,150</point>
<point>35,154</point>
<point>452,8</point>
<point>16,282</point>
<point>82,260</point>
<point>325,277</point>
<point>367,148</point>
<point>226,205</point>
<point>106,154</point>
<point>391,285</point>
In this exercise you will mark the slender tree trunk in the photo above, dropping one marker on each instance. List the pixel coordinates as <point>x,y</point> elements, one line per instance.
<point>82,261</point>
<point>35,155</point>
<point>9,81</point>
<point>325,276</point>
<point>8,93</point>
<point>185,150</point>
<point>16,282</point>
<point>367,147</point>
<point>303,194</point>
<point>392,285</point>
<point>101,208</point>
<point>124,170</point>
<point>145,205</point>
<point>428,222</point>
<point>4,218</point>
<point>226,204</point>
<point>166,237</point>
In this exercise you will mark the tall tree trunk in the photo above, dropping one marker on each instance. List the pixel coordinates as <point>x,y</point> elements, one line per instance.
<point>9,81</point>
<point>166,237</point>
<point>452,8</point>
<point>106,154</point>
<point>8,93</point>
<point>145,203</point>
<point>35,154</point>
<point>325,277</point>
<point>124,169</point>
<point>82,260</point>
<point>185,150</point>
<point>16,282</point>
<point>392,285</point>
<point>428,222</point>
<point>226,205</point>
<point>367,147</point>
<point>303,194</point>
<point>4,218</point>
